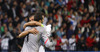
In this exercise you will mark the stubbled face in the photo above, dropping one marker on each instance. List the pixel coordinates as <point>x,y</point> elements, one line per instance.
<point>31,18</point>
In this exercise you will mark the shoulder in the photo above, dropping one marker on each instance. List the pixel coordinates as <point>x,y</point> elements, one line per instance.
<point>70,39</point>
<point>27,28</point>
<point>41,29</point>
<point>66,39</point>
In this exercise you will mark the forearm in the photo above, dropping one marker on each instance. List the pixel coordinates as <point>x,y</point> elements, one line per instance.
<point>72,43</point>
<point>19,46</point>
<point>62,43</point>
<point>33,23</point>
<point>23,34</point>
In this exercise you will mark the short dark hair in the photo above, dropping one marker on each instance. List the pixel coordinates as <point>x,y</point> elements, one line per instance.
<point>32,14</point>
<point>38,16</point>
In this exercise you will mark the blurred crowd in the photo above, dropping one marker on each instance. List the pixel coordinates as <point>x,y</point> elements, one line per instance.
<point>75,23</point>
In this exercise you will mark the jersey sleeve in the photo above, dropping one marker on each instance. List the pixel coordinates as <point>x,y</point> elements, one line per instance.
<point>44,36</point>
<point>48,30</point>
<point>27,28</point>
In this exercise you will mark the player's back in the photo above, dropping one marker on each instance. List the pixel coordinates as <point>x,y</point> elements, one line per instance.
<point>32,42</point>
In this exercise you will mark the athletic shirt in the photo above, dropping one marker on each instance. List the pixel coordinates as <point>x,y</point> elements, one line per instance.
<point>33,43</point>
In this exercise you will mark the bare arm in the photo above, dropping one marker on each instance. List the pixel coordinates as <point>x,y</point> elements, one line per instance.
<point>19,46</point>
<point>32,23</point>
<point>24,33</point>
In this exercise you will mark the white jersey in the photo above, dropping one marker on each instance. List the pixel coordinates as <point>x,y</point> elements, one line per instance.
<point>72,43</point>
<point>64,46</point>
<point>33,43</point>
<point>48,30</point>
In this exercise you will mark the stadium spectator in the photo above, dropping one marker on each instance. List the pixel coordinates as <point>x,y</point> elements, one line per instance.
<point>23,11</point>
<point>60,2</point>
<point>59,43</point>
<point>5,20</point>
<point>70,32</point>
<point>2,28</point>
<point>45,10</point>
<point>58,17</point>
<point>72,43</point>
<point>5,44</point>
<point>13,12</point>
<point>53,40</point>
<point>7,33</point>
<point>78,36</point>
<point>16,21</point>
<point>1,10</point>
<point>84,20</point>
<point>60,32</point>
<point>90,41</point>
<point>64,45</point>
<point>81,46</point>
<point>5,6</point>
<point>51,8</point>
<point>10,27</point>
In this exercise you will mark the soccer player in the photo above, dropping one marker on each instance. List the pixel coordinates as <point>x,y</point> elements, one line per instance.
<point>47,28</point>
<point>33,43</point>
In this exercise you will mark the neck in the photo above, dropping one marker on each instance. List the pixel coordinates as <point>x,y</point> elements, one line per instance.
<point>40,21</point>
